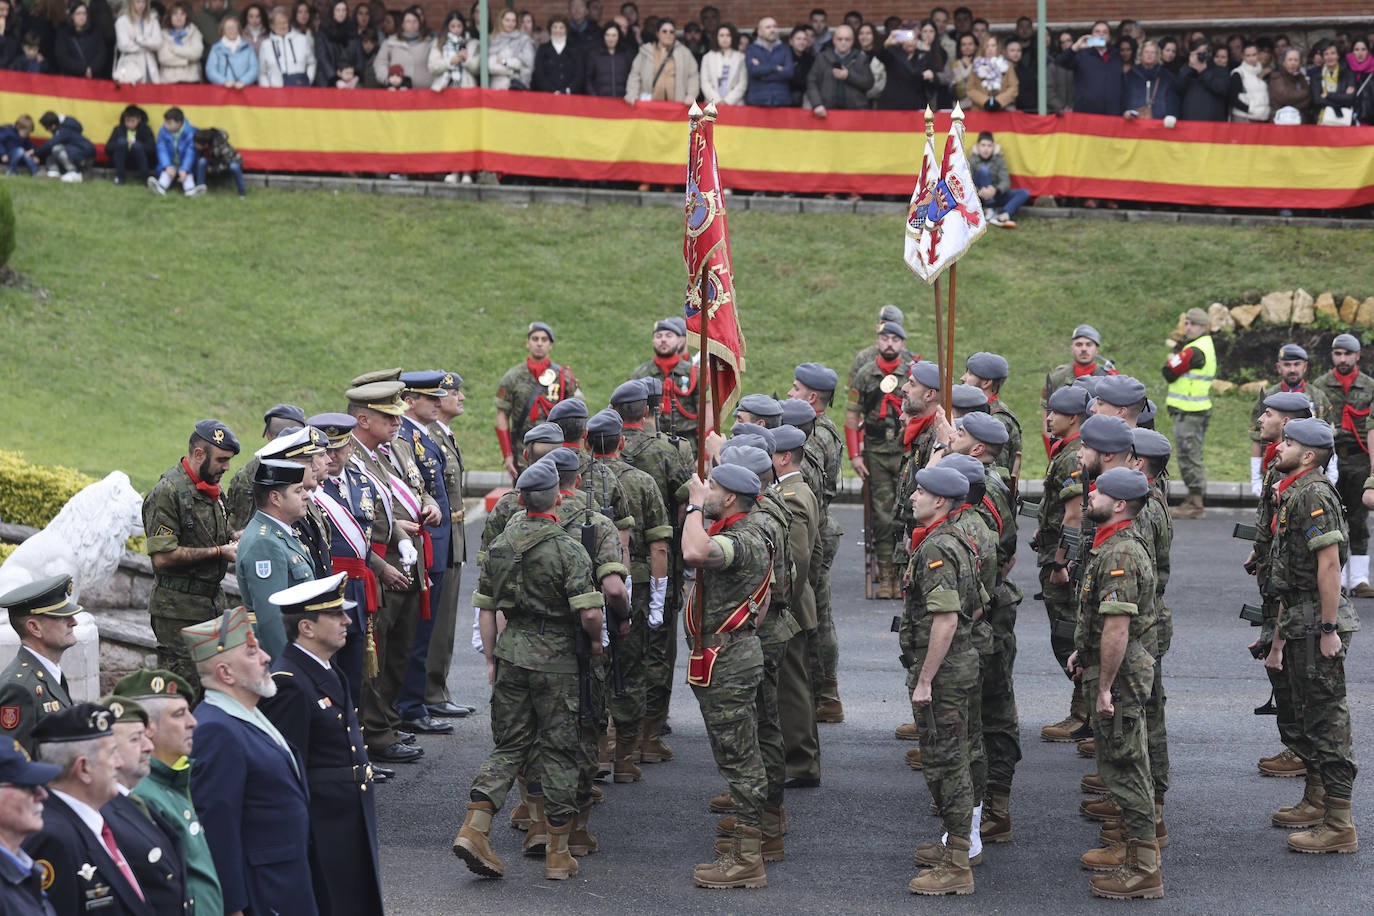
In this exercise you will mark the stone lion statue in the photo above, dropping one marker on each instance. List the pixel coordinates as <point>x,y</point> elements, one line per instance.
<point>85,540</point>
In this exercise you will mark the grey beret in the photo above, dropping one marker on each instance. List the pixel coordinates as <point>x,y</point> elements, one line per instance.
<point>1313,432</point>
<point>1123,483</point>
<point>1292,351</point>
<point>892,327</point>
<point>760,405</point>
<point>1088,383</point>
<point>942,481</point>
<point>544,432</point>
<point>753,429</point>
<point>970,467</point>
<point>1147,413</point>
<point>747,456</point>
<point>564,459</point>
<point>218,435</point>
<point>986,428</point>
<point>1150,444</point>
<point>1069,401</point>
<point>1346,342</point>
<point>605,423</point>
<point>891,313</point>
<point>925,373</point>
<point>817,377</point>
<point>786,438</point>
<point>1106,434</point>
<point>737,479</point>
<point>539,326</point>
<point>653,387</point>
<point>633,390</point>
<point>1120,390</point>
<point>987,365</point>
<point>542,475</point>
<point>1289,402</point>
<point>676,324</point>
<point>753,441</point>
<point>967,397</point>
<point>568,409</point>
<point>1088,331</point>
<point>797,413</point>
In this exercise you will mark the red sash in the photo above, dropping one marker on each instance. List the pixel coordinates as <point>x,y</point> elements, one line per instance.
<point>541,405</point>
<point>702,662</point>
<point>427,560</point>
<point>357,568</point>
<point>987,502</point>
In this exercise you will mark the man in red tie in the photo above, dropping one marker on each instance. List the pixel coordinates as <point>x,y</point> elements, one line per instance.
<point>77,850</point>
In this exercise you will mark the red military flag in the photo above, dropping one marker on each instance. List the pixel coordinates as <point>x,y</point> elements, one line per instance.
<point>706,253</point>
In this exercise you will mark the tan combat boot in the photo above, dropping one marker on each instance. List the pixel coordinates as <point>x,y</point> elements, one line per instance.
<point>913,759</point>
<point>741,867</point>
<point>473,843</point>
<point>829,709</point>
<point>1335,834</point>
<point>996,825</point>
<point>1061,732</point>
<point>1161,831</point>
<point>1191,507</point>
<point>1099,809</point>
<point>520,814</point>
<point>1088,748</point>
<point>1283,764</point>
<point>771,827</point>
<point>559,864</point>
<point>882,584</point>
<point>722,803</point>
<point>537,837</point>
<point>894,583</point>
<point>651,746</point>
<point>952,876</point>
<point>597,795</point>
<point>1309,812</point>
<point>726,825</point>
<point>604,763</point>
<point>933,854</point>
<point>1105,858</point>
<point>907,732</point>
<point>624,767</point>
<point>582,842</point>
<point>1092,784</point>
<point>1139,876</point>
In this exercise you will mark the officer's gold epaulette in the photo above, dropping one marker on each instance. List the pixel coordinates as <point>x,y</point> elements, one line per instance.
<point>280,673</point>
<point>262,529</point>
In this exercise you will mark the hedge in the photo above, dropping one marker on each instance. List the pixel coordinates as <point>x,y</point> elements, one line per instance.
<point>31,494</point>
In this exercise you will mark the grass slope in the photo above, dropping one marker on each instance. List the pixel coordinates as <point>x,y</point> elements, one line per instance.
<point>143,314</point>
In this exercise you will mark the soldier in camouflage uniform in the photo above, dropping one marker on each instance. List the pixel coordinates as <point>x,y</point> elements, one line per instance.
<point>189,543</point>
<point>570,416</point>
<point>538,442</point>
<point>1312,638</point>
<point>936,638</point>
<point>1068,406</point>
<point>539,577</point>
<point>870,353</point>
<point>988,372</point>
<point>1084,345</point>
<point>873,434</point>
<point>677,376</point>
<point>238,496</point>
<point>1351,393</point>
<point>733,563</point>
<point>526,393</point>
<point>1113,642</point>
<point>1292,370</point>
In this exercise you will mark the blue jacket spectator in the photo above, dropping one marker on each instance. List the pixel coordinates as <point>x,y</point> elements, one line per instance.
<point>1146,86</point>
<point>232,60</point>
<point>68,149</point>
<point>769,62</point>
<point>16,145</point>
<point>1096,73</point>
<point>176,149</point>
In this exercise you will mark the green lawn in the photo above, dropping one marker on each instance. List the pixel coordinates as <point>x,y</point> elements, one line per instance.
<point>142,314</point>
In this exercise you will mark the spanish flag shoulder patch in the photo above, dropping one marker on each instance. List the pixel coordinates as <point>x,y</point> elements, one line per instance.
<point>1116,572</point>
<point>1317,512</point>
<point>935,564</point>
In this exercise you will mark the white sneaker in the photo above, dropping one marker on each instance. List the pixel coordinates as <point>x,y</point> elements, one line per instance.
<point>72,178</point>
<point>396,176</point>
<point>54,172</point>
<point>155,187</point>
<point>197,191</point>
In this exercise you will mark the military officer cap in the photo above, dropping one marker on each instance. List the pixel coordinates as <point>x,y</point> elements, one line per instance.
<point>1150,444</point>
<point>816,377</point>
<point>1120,390</point>
<point>747,456</point>
<point>753,429</point>
<point>563,459</point>
<point>568,409</point>
<point>892,327</point>
<point>674,324</point>
<point>942,481</point>
<point>226,631</point>
<point>1070,401</point>
<point>295,442</point>
<point>891,313</point>
<point>1088,331</point>
<point>967,397</point>
<point>629,392</point>
<point>539,326</point>
<point>986,428</point>
<point>451,381</point>
<point>1111,435</point>
<point>1147,413</point>
<point>737,479</point>
<point>283,412</point>
<point>220,436</point>
<point>17,768</point>
<point>1289,402</point>
<point>796,412</point>
<point>987,365</point>
<point>1196,315</point>
<point>318,596</point>
<point>383,397</point>
<point>752,441</point>
<point>1123,483</point>
<point>146,683</point>
<point>381,375</point>
<point>337,428</point>
<point>760,405</point>
<point>605,423</point>
<point>123,709</point>
<point>50,597</point>
<point>542,475</point>
<point>544,432</point>
<point>78,722</point>
<point>1311,432</point>
<point>970,467</point>
<point>926,373</point>
<point>788,438</point>
<point>274,473</point>
<point>1292,351</point>
<point>429,382</point>
<point>1346,342</point>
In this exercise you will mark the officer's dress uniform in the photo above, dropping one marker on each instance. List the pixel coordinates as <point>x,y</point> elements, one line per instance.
<point>28,692</point>
<point>270,558</point>
<point>351,504</point>
<point>445,614</point>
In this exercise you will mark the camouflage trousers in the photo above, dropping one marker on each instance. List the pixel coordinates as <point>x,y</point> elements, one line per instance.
<point>628,711</point>
<point>823,652</point>
<point>1322,716</point>
<point>1123,762</point>
<point>1157,733</point>
<point>1001,725</point>
<point>771,748</point>
<point>977,747</point>
<point>884,477</point>
<point>535,728</point>
<point>729,708</point>
<point>1190,429</point>
<point>660,654</point>
<point>591,727</point>
<point>1062,609</point>
<point>943,729</point>
<point>172,653</point>
<point>1352,472</point>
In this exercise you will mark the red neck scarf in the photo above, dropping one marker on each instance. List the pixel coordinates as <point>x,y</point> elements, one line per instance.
<point>666,364</point>
<point>721,524</point>
<point>1109,530</point>
<point>550,517</point>
<point>542,404</point>
<point>1347,380</point>
<point>920,534</point>
<point>575,446</point>
<point>1080,371</point>
<point>1302,386</point>
<point>890,399</point>
<point>1270,451</point>
<point>1058,446</point>
<point>914,428</point>
<point>209,489</point>
<point>1278,494</point>
<point>992,398</point>
<point>537,368</point>
<point>639,426</point>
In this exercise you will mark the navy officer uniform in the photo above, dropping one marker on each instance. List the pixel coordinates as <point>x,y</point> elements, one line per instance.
<point>32,686</point>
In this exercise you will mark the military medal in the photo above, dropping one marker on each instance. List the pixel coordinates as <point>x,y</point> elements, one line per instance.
<point>547,377</point>
<point>888,384</point>
<point>154,855</point>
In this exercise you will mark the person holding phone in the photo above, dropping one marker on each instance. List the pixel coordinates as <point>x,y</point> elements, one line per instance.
<point>913,59</point>
<point>1202,85</point>
<point>1096,67</point>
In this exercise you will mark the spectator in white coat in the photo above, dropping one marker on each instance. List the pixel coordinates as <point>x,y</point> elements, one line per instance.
<point>286,57</point>
<point>138,38</point>
<point>724,75</point>
<point>182,46</point>
<point>1249,92</point>
<point>408,49</point>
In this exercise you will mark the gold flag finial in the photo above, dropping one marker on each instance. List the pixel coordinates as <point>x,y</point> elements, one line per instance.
<point>694,112</point>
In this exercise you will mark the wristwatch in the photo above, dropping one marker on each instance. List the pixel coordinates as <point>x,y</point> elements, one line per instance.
<point>1328,626</point>
<point>691,507</point>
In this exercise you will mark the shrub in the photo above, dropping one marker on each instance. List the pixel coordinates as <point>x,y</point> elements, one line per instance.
<point>31,494</point>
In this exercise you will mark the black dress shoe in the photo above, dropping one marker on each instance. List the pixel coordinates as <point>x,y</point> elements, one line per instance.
<point>802,782</point>
<point>405,737</point>
<point>397,753</point>
<point>450,710</point>
<point>428,726</point>
<point>383,772</point>
<point>380,777</point>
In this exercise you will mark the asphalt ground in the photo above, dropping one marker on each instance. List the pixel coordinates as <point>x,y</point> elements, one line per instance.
<point>851,840</point>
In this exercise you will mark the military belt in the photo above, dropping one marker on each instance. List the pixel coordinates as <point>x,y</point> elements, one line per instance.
<point>188,586</point>
<point>340,774</point>
<point>721,639</point>
<point>543,625</point>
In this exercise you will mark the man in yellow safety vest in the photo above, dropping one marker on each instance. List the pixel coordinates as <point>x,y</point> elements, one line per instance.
<point>1189,373</point>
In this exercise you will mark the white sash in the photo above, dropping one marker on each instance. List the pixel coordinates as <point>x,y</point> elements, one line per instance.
<point>400,489</point>
<point>342,520</point>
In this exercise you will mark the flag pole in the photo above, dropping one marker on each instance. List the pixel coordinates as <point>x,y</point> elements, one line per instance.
<point>704,390</point>
<point>940,343</point>
<point>949,353</point>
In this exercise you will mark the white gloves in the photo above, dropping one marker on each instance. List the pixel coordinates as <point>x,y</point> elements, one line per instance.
<point>1332,471</point>
<point>408,553</point>
<point>1255,484</point>
<point>658,594</point>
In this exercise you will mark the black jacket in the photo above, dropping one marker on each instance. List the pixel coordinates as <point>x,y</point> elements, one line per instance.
<point>566,72</point>
<point>607,73</point>
<point>78,52</point>
<point>907,89</point>
<point>142,134</point>
<point>333,48</point>
<point>151,848</point>
<point>1202,96</point>
<point>1347,81</point>
<point>82,868</point>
